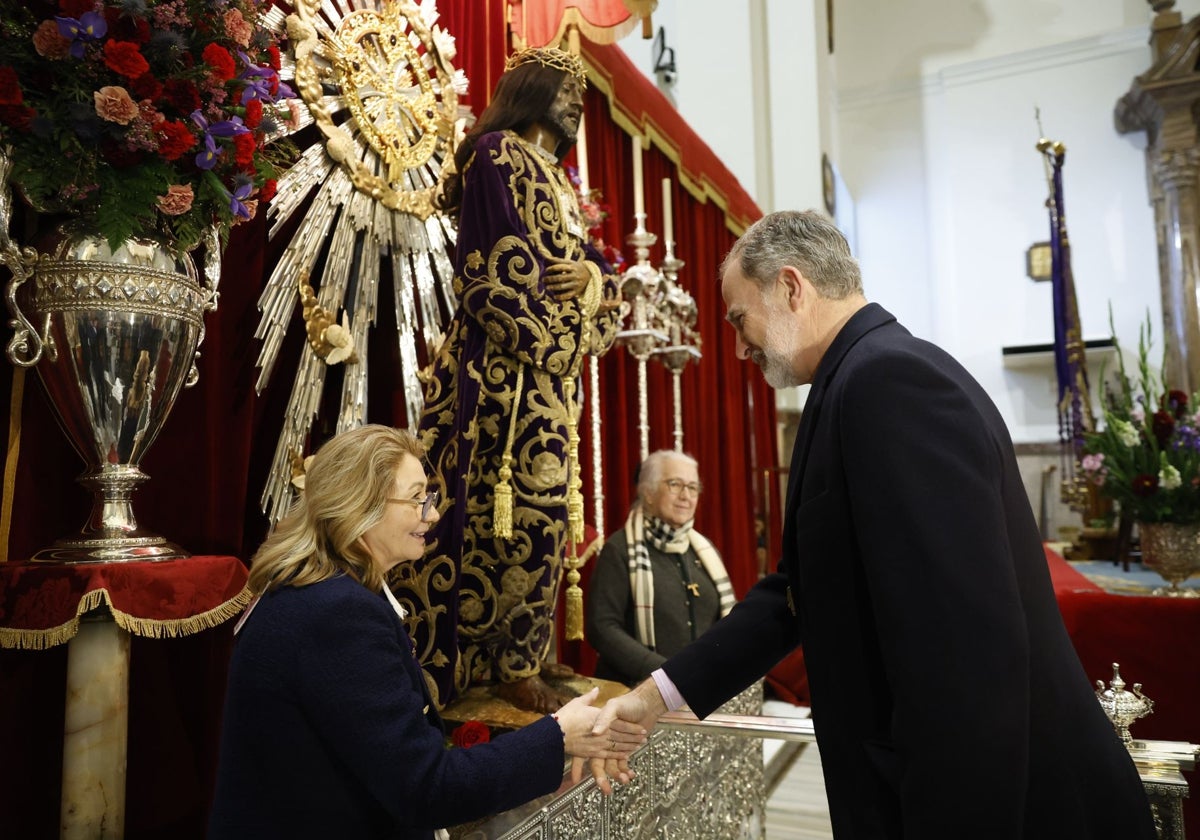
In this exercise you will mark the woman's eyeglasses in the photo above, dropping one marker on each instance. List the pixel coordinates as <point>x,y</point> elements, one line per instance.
<point>678,485</point>
<point>426,504</point>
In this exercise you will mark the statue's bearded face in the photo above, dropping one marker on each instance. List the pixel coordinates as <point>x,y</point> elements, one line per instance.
<point>567,109</point>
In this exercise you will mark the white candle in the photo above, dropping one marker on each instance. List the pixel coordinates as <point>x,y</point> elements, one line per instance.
<point>581,156</point>
<point>639,200</point>
<point>668,221</point>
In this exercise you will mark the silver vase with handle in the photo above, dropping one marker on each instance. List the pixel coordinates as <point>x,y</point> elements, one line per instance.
<point>113,334</point>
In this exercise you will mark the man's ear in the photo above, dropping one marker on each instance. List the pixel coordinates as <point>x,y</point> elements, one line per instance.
<point>795,284</point>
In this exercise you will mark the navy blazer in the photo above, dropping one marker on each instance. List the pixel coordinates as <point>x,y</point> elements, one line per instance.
<point>329,731</point>
<point>947,698</point>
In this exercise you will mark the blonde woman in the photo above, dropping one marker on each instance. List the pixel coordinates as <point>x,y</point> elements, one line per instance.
<point>329,729</point>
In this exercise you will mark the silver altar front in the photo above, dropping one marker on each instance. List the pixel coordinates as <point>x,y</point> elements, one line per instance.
<point>690,783</point>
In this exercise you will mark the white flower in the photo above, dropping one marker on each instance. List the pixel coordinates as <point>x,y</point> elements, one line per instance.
<point>1126,433</point>
<point>1169,478</point>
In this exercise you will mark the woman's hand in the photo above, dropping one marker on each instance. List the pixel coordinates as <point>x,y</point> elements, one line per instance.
<point>565,279</point>
<point>577,719</point>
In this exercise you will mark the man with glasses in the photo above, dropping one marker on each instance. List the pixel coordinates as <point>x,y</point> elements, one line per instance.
<point>658,584</point>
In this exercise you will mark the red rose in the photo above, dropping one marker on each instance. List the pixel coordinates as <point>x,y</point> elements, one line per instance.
<point>221,62</point>
<point>243,150</point>
<point>182,95</point>
<point>254,113</point>
<point>268,190</point>
<point>126,58</point>
<point>273,57</point>
<point>174,139</point>
<point>10,87</point>
<point>471,733</point>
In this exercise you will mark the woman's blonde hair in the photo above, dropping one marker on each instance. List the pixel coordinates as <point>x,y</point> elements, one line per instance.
<point>346,489</point>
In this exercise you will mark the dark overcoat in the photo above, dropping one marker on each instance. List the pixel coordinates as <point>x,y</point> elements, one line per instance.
<point>947,699</point>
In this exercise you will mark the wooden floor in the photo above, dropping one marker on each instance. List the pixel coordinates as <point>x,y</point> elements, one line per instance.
<point>796,809</point>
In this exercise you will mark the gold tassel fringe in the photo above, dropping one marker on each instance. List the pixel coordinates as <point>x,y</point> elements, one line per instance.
<point>573,620</point>
<point>502,506</point>
<point>502,511</point>
<point>154,628</point>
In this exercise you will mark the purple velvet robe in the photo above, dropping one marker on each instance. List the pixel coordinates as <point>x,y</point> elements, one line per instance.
<point>508,376</point>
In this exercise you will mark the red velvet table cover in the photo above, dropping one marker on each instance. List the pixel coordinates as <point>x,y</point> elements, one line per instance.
<point>41,603</point>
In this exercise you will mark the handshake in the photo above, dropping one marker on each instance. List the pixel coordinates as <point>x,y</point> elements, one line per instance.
<point>604,738</point>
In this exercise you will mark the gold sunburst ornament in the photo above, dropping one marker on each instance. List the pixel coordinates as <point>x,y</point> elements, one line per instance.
<point>374,77</point>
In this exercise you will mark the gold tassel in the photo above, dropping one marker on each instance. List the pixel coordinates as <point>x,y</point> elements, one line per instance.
<point>502,505</point>
<point>573,621</point>
<point>502,511</point>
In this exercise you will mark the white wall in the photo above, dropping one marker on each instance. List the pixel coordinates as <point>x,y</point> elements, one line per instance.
<point>927,110</point>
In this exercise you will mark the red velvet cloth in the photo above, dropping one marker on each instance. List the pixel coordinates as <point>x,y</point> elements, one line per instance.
<point>41,602</point>
<point>1154,641</point>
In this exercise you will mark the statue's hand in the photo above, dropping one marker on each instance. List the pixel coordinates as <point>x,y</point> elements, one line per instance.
<point>565,280</point>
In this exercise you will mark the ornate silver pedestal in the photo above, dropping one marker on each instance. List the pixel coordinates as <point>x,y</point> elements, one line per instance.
<point>690,783</point>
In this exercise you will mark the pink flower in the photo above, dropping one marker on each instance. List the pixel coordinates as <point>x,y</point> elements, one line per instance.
<point>115,105</point>
<point>237,28</point>
<point>177,201</point>
<point>47,41</point>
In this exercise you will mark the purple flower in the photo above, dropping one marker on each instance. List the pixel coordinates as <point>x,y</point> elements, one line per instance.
<point>208,158</point>
<point>240,193</point>
<point>90,27</point>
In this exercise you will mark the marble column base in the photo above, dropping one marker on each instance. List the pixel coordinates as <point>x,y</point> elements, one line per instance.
<point>96,727</point>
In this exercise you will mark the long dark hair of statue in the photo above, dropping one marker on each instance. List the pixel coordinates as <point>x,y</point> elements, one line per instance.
<point>522,97</point>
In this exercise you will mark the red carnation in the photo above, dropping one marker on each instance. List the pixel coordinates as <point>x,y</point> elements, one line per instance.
<point>221,62</point>
<point>1175,402</point>
<point>471,733</point>
<point>146,86</point>
<point>1163,425</point>
<point>10,87</point>
<point>268,190</point>
<point>254,113</point>
<point>123,27</point>
<point>1144,485</point>
<point>243,150</point>
<point>76,8</point>
<point>174,139</point>
<point>182,95</point>
<point>125,58</point>
<point>273,57</point>
<point>19,117</point>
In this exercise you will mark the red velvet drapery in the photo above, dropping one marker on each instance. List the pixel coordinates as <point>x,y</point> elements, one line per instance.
<point>209,464</point>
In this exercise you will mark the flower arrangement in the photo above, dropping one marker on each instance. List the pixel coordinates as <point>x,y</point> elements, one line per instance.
<point>1147,457</point>
<point>594,214</point>
<point>142,116</point>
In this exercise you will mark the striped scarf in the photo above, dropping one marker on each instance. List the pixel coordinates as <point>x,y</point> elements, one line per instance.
<point>641,529</point>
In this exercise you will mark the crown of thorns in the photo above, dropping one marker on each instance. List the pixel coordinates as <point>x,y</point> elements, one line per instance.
<point>548,57</point>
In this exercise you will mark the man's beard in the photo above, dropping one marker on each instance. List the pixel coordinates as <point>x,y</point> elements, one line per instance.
<point>566,129</point>
<point>780,345</point>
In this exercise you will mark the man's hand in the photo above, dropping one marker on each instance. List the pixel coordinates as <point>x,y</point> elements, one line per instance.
<point>566,280</point>
<point>642,708</point>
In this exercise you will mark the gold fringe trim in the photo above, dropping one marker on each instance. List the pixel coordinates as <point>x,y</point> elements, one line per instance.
<point>502,510</point>
<point>154,628</point>
<point>10,461</point>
